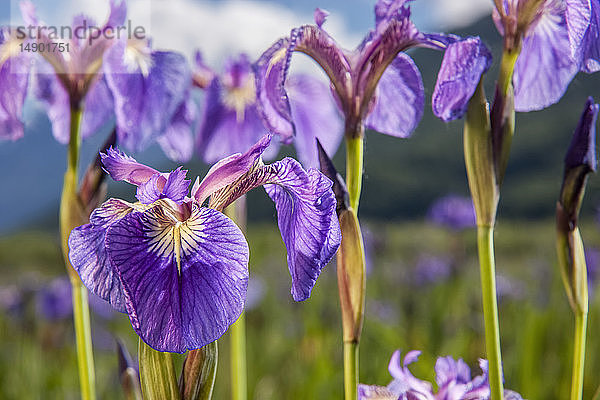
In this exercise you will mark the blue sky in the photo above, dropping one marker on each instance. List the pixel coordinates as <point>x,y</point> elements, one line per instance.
<point>32,167</point>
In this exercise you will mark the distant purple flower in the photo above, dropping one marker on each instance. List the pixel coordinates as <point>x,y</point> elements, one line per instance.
<point>14,81</point>
<point>376,85</point>
<point>53,301</point>
<point>179,268</point>
<point>74,79</point>
<point>12,300</point>
<point>508,288</point>
<point>231,122</point>
<point>454,212</point>
<point>432,269</point>
<point>453,379</point>
<point>150,89</point>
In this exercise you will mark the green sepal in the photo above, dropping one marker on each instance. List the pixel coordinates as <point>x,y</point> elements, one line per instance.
<point>351,276</point>
<point>157,374</point>
<point>479,159</point>
<point>199,373</point>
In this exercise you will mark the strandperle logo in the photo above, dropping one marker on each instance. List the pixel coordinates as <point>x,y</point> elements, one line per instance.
<point>86,30</point>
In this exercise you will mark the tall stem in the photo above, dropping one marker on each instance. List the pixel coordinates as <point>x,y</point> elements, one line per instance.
<point>351,267</point>
<point>350,370</point>
<point>354,169</point>
<point>485,246</point>
<point>578,355</point>
<point>70,217</point>
<point>237,331</point>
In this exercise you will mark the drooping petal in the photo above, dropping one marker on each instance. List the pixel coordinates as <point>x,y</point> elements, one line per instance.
<point>185,282</point>
<point>147,88</point>
<point>178,140</point>
<point>316,116</point>
<point>545,67</point>
<point>273,103</point>
<point>122,167</point>
<point>229,170</point>
<point>14,81</point>
<point>223,131</point>
<point>399,99</point>
<point>463,65</point>
<point>404,382</point>
<point>577,15</point>
<point>307,221</point>
<point>87,253</point>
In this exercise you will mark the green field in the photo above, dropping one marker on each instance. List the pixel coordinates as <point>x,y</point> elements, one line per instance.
<point>293,348</point>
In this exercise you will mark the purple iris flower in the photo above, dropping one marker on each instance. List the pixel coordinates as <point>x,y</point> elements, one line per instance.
<point>74,79</point>
<point>453,212</point>
<point>231,122</point>
<point>431,269</point>
<point>14,80</point>
<point>376,85</point>
<point>180,269</point>
<point>453,379</point>
<point>152,101</point>
<point>53,301</point>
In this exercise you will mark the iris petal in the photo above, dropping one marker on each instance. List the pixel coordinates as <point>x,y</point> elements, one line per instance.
<point>185,282</point>
<point>464,63</point>
<point>545,67</point>
<point>14,80</point>
<point>87,253</point>
<point>178,141</point>
<point>147,96</point>
<point>307,221</point>
<point>399,99</point>
<point>222,132</point>
<point>316,116</point>
<point>122,167</point>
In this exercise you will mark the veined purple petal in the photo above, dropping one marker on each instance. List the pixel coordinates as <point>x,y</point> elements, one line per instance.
<point>307,221</point>
<point>578,14</point>
<point>545,67</point>
<point>399,99</point>
<point>316,116</point>
<point>463,65</point>
<point>185,282</point>
<point>447,369</point>
<point>147,94</point>
<point>118,14</point>
<point>174,187</point>
<point>228,170</point>
<point>14,81</point>
<point>122,167</point>
<point>273,103</point>
<point>87,253</point>
<point>223,130</point>
<point>178,140</point>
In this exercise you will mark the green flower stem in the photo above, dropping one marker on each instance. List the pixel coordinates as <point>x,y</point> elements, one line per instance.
<point>578,355</point>
<point>237,331</point>
<point>351,280</point>
<point>350,370</point>
<point>71,216</point>
<point>485,245</point>
<point>354,169</point>
<point>507,68</point>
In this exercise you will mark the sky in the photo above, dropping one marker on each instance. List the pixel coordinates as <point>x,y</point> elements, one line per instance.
<point>33,167</point>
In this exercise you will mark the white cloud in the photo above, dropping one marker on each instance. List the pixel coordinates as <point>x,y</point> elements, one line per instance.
<point>444,14</point>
